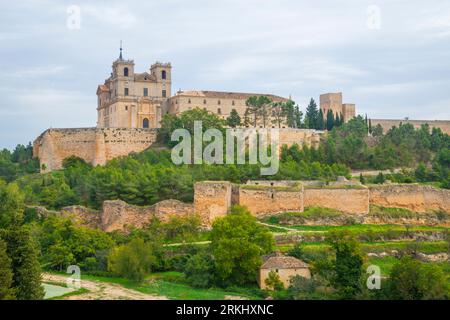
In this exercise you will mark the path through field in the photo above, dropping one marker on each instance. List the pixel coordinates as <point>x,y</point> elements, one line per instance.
<point>102,290</point>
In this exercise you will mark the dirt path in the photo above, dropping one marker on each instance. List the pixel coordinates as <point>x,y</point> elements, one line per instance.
<point>102,290</point>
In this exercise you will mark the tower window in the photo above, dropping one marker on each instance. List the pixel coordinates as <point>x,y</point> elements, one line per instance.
<point>218,102</point>
<point>219,111</point>
<point>204,101</point>
<point>126,91</point>
<point>163,74</point>
<point>232,102</point>
<point>164,93</point>
<point>145,123</point>
<point>125,72</point>
<point>189,101</point>
<point>145,92</point>
<point>126,108</point>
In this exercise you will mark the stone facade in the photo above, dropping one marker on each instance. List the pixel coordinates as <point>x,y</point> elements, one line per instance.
<point>348,200</point>
<point>212,199</point>
<point>118,215</point>
<point>415,197</point>
<point>219,103</point>
<point>387,124</point>
<point>94,145</point>
<point>263,200</point>
<point>286,267</point>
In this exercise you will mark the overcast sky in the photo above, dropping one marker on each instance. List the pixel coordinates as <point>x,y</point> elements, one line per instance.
<point>390,58</point>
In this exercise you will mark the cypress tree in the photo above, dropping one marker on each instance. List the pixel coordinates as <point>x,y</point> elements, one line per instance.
<point>25,264</point>
<point>330,120</point>
<point>337,121</point>
<point>311,115</point>
<point>320,121</point>
<point>6,275</point>
<point>370,126</point>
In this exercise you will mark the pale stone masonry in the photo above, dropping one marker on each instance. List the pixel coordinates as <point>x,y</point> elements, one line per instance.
<point>285,267</point>
<point>213,199</point>
<point>94,145</point>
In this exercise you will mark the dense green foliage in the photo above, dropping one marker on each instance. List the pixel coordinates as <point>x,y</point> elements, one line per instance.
<point>411,279</point>
<point>17,163</point>
<point>237,243</point>
<point>133,260</point>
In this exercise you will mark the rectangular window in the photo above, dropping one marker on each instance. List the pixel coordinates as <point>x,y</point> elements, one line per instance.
<point>145,92</point>
<point>164,93</point>
<point>126,91</point>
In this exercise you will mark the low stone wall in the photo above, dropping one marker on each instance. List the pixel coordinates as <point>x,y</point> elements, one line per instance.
<point>348,200</point>
<point>262,200</point>
<point>212,199</point>
<point>415,197</point>
<point>118,215</point>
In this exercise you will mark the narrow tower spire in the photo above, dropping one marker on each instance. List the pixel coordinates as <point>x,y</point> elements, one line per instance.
<point>120,56</point>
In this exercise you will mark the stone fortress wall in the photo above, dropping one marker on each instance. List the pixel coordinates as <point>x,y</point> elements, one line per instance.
<point>94,145</point>
<point>213,199</point>
<point>99,145</point>
<point>444,125</point>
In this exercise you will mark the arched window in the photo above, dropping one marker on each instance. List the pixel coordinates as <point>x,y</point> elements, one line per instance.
<point>145,123</point>
<point>204,101</point>
<point>125,72</point>
<point>163,74</point>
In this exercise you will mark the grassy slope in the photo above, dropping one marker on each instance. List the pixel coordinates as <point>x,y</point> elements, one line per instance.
<point>171,284</point>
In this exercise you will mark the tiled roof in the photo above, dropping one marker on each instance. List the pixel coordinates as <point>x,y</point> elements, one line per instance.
<point>283,262</point>
<point>228,95</point>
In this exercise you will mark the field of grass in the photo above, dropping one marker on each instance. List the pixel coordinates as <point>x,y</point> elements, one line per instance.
<point>369,227</point>
<point>427,247</point>
<point>173,286</point>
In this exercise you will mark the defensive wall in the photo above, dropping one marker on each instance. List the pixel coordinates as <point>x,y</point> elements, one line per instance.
<point>213,199</point>
<point>94,145</point>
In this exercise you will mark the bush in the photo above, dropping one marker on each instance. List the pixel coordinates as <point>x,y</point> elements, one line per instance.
<point>132,261</point>
<point>199,270</point>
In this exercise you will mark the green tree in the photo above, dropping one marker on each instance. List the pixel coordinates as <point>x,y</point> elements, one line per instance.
<point>6,275</point>
<point>311,115</point>
<point>411,279</point>
<point>23,252</point>
<point>273,281</point>
<point>330,120</point>
<point>279,113</point>
<point>380,179</point>
<point>234,120</point>
<point>133,260</point>
<point>199,270</point>
<point>11,204</point>
<point>320,121</point>
<point>377,131</point>
<point>258,106</point>
<point>237,243</point>
<point>362,179</point>
<point>348,264</point>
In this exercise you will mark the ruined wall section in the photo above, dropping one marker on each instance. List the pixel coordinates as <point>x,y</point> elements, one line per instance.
<point>415,197</point>
<point>345,199</point>
<point>264,200</point>
<point>118,215</point>
<point>94,145</point>
<point>212,199</point>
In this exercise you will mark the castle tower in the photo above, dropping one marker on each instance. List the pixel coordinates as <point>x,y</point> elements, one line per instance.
<point>333,102</point>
